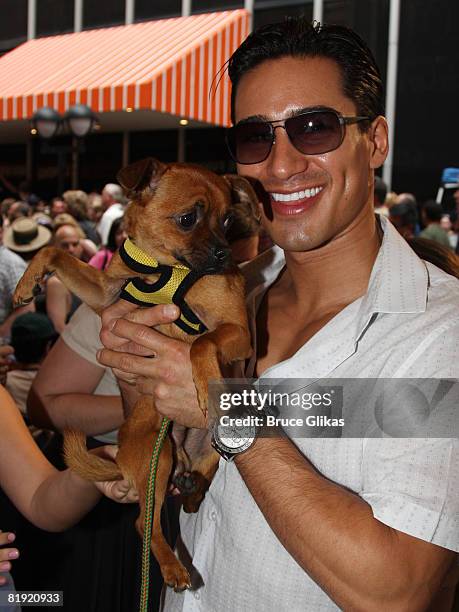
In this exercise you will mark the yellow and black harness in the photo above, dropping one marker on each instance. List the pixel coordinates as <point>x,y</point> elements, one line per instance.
<point>170,288</point>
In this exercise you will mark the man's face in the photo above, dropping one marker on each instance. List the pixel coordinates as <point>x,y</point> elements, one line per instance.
<point>275,90</point>
<point>106,198</point>
<point>67,238</point>
<point>57,208</point>
<point>456,198</point>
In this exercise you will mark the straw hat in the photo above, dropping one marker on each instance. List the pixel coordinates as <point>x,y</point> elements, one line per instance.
<point>25,235</point>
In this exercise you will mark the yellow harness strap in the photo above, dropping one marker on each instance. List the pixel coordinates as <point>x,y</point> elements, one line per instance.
<point>170,288</point>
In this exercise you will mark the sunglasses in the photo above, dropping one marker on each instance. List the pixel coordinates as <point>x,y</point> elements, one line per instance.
<point>311,133</point>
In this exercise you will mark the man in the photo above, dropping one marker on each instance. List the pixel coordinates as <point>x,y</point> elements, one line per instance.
<point>380,191</point>
<point>12,267</point>
<point>60,302</point>
<point>112,196</point>
<point>31,338</point>
<point>315,524</point>
<point>17,210</point>
<point>403,218</point>
<point>431,217</point>
<point>57,207</point>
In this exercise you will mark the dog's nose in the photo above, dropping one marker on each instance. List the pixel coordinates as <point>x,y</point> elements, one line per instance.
<point>221,254</point>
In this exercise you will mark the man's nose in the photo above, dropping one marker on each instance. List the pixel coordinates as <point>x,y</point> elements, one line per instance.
<point>285,160</point>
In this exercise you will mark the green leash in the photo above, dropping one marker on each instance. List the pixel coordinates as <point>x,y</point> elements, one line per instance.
<point>149,508</point>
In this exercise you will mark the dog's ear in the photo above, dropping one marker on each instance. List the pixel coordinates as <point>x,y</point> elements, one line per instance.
<point>245,195</point>
<point>141,174</point>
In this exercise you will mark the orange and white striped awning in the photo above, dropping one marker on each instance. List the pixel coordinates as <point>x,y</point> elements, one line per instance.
<point>167,66</point>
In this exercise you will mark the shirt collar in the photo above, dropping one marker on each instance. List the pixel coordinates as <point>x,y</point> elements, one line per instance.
<point>398,281</point>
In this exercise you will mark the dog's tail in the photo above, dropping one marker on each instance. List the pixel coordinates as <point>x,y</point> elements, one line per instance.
<point>85,464</point>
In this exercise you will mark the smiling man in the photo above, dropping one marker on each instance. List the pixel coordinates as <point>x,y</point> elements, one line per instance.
<point>316,524</point>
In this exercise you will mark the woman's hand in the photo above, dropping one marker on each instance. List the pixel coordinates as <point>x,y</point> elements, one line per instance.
<point>156,364</point>
<point>120,491</point>
<point>7,554</point>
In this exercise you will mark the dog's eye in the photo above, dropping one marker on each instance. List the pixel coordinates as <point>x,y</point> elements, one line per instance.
<point>227,221</point>
<point>188,220</point>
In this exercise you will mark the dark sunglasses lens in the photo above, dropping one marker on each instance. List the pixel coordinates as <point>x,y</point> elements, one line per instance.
<point>315,133</point>
<point>250,143</point>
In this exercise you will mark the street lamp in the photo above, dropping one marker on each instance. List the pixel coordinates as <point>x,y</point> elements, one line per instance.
<point>46,121</point>
<point>79,121</point>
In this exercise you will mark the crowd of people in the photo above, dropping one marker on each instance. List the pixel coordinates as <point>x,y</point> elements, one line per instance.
<point>51,365</point>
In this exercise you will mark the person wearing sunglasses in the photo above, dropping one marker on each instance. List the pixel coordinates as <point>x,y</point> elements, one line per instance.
<point>318,522</point>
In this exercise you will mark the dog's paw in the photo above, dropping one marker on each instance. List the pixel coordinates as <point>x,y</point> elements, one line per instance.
<point>186,483</point>
<point>176,576</point>
<point>194,495</point>
<point>25,292</point>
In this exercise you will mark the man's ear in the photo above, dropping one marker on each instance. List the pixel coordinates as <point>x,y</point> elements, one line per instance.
<point>379,137</point>
<point>141,174</point>
<point>244,195</point>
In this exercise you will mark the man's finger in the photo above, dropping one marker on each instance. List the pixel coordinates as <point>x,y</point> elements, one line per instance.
<point>141,335</point>
<point>119,309</point>
<point>130,364</point>
<point>156,315</point>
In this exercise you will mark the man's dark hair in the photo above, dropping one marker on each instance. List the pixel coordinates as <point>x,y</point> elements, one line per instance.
<point>298,37</point>
<point>380,189</point>
<point>433,211</point>
<point>31,334</point>
<point>405,212</point>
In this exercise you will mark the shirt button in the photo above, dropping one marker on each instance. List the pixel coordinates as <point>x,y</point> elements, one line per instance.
<point>213,516</point>
<point>197,595</point>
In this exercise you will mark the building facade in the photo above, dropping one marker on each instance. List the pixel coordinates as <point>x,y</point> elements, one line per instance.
<point>426,86</point>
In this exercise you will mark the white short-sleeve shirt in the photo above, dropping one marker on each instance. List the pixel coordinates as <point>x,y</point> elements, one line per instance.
<point>405,326</point>
<point>81,335</point>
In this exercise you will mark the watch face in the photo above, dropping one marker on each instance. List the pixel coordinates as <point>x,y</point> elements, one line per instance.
<point>235,438</point>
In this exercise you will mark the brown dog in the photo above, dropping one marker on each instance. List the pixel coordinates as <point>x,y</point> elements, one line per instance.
<point>176,223</point>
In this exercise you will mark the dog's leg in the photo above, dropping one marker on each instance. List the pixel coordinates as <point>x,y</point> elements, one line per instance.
<point>227,343</point>
<point>91,285</point>
<point>174,574</point>
<point>137,439</point>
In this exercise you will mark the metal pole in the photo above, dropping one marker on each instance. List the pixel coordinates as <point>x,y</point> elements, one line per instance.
<point>248,5</point>
<point>318,10</point>
<point>29,160</point>
<point>391,91</point>
<point>126,145</point>
<point>75,162</point>
<point>186,8</point>
<point>31,19</point>
<point>78,16</point>
<point>129,12</point>
<point>60,170</point>
<point>181,145</point>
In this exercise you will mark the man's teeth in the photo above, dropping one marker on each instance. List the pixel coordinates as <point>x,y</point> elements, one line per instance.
<point>298,195</point>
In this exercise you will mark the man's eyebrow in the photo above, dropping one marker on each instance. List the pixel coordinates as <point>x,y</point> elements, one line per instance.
<point>292,113</point>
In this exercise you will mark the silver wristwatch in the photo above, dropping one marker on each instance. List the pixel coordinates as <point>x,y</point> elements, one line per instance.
<point>232,439</point>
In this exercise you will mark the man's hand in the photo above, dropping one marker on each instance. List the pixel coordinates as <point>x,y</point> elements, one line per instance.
<point>156,364</point>
<point>7,554</point>
<point>120,491</point>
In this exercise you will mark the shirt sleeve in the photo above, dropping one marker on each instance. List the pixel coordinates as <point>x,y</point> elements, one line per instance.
<point>82,334</point>
<point>411,486</point>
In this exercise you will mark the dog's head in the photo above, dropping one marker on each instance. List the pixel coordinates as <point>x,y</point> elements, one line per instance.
<point>179,213</point>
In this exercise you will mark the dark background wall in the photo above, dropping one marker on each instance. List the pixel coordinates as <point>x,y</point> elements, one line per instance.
<point>427,125</point>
